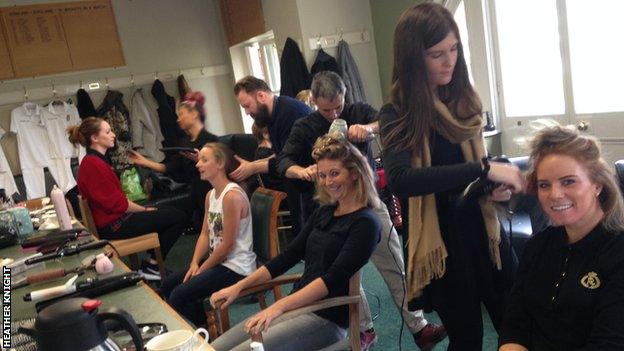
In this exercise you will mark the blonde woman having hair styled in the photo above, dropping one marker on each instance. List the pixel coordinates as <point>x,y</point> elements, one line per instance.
<point>569,289</point>
<point>335,242</point>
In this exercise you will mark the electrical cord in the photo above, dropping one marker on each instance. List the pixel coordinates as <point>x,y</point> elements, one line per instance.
<point>376,315</point>
<point>114,248</point>
<point>396,263</point>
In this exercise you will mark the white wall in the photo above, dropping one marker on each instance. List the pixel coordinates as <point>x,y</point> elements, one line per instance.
<point>327,17</point>
<point>282,17</point>
<point>156,35</point>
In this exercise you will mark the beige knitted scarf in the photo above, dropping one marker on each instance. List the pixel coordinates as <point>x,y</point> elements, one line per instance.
<point>426,251</point>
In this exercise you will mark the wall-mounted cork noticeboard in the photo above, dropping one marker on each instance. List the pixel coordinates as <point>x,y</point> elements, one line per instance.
<point>54,38</point>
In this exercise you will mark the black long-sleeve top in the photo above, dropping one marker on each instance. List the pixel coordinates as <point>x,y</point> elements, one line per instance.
<point>183,170</point>
<point>568,296</point>
<point>448,170</point>
<point>334,248</point>
<point>298,148</point>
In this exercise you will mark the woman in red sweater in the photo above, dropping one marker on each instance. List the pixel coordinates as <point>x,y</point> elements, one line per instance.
<point>115,216</point>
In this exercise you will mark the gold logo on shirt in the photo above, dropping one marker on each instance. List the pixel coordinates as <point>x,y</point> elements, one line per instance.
<point>590,281</point>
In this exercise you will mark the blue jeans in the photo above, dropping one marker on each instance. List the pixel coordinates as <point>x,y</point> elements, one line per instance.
<point>302,333</point>
<point>186,298</point>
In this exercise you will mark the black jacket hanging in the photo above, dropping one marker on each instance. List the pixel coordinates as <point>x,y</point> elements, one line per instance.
<point>324,62</point>
<point>293,70</point>
<point>183,87</point>
<point>84,104</point>
<point>167,115</point>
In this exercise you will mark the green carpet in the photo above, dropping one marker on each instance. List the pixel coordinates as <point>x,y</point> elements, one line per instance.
<point>387,323</point>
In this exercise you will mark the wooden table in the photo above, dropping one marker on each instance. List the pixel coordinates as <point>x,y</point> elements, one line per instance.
<point>143,303</point>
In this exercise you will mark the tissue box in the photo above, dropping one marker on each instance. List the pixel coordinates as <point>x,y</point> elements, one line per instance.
<point>24,223</point>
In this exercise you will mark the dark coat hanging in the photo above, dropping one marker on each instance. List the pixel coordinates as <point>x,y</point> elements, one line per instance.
<point>183,87</point>
<point>324,62</point>
<point>293,70</point>
<point>167,115</point>
<point>84,104</point>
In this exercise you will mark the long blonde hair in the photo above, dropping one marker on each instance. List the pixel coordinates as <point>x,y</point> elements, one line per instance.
<point>329,147</point>
<point>566,140</point>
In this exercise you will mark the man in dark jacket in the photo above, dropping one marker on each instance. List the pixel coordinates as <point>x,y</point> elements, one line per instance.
<point>295,162</point>
<point>278,114</point>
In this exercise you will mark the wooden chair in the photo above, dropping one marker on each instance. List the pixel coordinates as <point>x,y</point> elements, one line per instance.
<point>126,247</point>
<point>264,206</point>
<point>352,300</point>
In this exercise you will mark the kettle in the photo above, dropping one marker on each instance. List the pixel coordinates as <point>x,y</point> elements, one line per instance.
<point>75,325</point>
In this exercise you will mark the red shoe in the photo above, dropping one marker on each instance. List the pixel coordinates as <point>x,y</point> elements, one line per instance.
<point>368,339</point>
<point>430,335</point>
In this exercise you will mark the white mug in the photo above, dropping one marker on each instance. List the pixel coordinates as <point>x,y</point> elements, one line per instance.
<point>177,340</point>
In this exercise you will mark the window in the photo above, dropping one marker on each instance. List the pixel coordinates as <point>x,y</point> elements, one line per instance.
<point>530,60</point>
<point>264,62</point>
<point>549,57</point>
<point>596,55</point>
<point>460,18</point>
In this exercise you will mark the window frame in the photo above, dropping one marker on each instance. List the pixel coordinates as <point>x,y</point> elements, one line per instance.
<point>486,62</point>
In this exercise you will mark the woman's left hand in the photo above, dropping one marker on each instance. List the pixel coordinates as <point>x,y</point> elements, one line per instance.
<point>501,193</point>
<point>261,321</point>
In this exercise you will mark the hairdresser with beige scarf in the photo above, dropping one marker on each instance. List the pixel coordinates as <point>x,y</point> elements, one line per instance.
<point>433,148</point>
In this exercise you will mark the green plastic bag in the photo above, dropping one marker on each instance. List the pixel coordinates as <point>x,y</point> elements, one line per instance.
<point>131,185</point>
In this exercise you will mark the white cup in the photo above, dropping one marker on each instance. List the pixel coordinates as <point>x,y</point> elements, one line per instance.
<point>177,340</point>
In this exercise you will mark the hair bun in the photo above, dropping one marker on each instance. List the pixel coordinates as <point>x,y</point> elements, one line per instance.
<point>196,97</point>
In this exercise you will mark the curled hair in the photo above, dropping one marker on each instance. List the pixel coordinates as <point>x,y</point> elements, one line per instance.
<point>305,96</point>
<point>419,28</point>
<point>332,148</point>
<point>566,140</point>
<point>81,133</point>
<point>194,101</point>
<point>222,153</point>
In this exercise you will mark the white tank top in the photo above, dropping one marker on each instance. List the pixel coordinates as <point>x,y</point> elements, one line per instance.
<point>241,259</point>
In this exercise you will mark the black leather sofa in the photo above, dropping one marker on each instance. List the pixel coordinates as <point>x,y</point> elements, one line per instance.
<point>528,217</point>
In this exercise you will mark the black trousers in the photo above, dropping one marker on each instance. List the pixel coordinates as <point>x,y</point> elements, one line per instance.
<point>168,222</point>
<point>471,279</point>
<point>186,298</point>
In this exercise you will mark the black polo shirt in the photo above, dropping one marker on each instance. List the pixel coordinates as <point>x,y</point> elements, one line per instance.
<point>568,296</point>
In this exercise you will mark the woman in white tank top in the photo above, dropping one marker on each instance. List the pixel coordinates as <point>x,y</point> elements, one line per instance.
<point>226,239</point>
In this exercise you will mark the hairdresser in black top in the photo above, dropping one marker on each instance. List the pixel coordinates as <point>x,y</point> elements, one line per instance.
<point>433,148</point>
<point>569,289</point>
<point>181,167</point>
